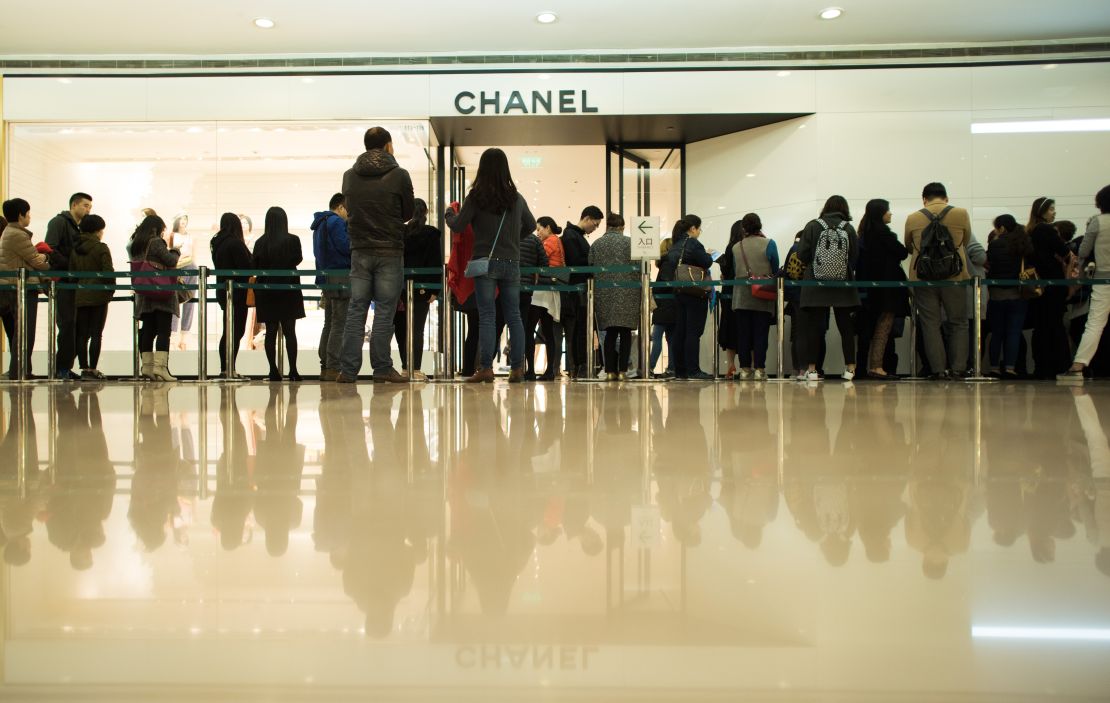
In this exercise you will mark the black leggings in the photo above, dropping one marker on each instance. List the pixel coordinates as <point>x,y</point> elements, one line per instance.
<point>813,326</point>
<point>400,327</point>
<point>239,315</point>
<point>289,331</point>
<point>613,335</point>
<point>90,328</point>
<point>155,333</point>
<point>547,331</point>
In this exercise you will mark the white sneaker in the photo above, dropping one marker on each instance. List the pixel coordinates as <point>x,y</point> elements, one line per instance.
<point>813,376</point>
<point>848,375</point>
<point>760,375</point>
<point>801,376</point>
<point>743,374</point>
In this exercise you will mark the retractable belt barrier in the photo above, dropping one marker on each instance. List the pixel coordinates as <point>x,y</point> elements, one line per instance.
<point>547,279</point>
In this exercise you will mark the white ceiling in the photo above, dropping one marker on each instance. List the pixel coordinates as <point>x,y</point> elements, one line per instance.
<point>224,27</point>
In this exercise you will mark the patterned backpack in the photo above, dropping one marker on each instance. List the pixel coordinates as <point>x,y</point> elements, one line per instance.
<point>830,259</point>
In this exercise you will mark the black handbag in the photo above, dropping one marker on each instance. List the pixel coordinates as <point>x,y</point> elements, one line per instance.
<point>689,272</point>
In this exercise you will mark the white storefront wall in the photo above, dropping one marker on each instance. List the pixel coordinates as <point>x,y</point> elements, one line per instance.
<point>872,132</point>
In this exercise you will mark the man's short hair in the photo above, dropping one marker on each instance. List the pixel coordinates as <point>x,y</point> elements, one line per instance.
<point>16,208</point>
<point>91,224</point>
<point>336,201</point>
<point>593,212</point>
<point>376,138</point>
<point>615,221</point>
<point>78,197</point>
<point>934,191</point>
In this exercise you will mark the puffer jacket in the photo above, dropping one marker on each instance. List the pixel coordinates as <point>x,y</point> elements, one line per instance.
<point>157,252</point>
<point>17,252</point>
<point>379,203</point>
<point>532,254</point>
<point>91,254</point>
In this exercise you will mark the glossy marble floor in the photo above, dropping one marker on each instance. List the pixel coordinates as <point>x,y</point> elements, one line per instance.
<point>681,541</point>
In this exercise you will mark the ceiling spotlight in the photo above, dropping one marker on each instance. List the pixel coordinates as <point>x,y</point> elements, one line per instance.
<point>783,74</point>
<point>751,175</point>
<point>307,79</point>
<point>1049,66</point>
<point>264,23</point>
<point>831,13</point>
<point>64,81</point>
<point>547,17</point>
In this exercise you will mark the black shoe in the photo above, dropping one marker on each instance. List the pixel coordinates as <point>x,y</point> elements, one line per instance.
<point>942,376</point>
<point>700,376</point>
<point>546,377</point>
<point>295,377</point>
<point>274,376</point>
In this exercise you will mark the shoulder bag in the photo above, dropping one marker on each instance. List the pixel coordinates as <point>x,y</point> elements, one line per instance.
<point>689,273</point>
<point>760,291</point>
<point>146,265</point>
<point>1029,274</point>
<point>476,268</point>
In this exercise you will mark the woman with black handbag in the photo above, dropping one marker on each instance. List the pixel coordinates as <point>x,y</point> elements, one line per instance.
<point>155,308</point>
<point>690,262</point>
<point>500,218</point>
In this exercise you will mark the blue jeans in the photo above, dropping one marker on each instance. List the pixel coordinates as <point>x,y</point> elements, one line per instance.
<point>657,333</point>
<point>377,278</point>
<point>504,275</point>
<point>1006,318</point>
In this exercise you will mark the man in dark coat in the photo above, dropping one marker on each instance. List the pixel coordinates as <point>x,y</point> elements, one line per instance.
<point>379,200</point>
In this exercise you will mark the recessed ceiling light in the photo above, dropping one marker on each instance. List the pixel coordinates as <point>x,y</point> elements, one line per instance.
<point>831,13</point>
<point>306,79</point>
<point>783,74</point>
<point>264,23</point>
<point>720,207</point>
<point>547,17</point>
<point>751,175</point>
<point>64,81</point>
<point>1049,66</point>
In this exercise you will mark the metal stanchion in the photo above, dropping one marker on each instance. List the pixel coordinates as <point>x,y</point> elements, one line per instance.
<point>52,330</point>
<point>135,356</point>
<point>22,358</point>
<point>23,398</point>
<point>411,367</point>
<point>279,341</point>
<point>716,346</point>
<point>913,337</point>
<point>977,320</point>
<point>780,333</point>
<point>590,376</point>
<point>645,323</point>
<point>202,324</point>
<point>229,333</point>
<point>447,330</point>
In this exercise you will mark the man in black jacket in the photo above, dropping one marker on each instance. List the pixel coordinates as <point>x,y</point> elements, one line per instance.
<point>61,234</point>
<point>379,200</point>
<point>577,252</point>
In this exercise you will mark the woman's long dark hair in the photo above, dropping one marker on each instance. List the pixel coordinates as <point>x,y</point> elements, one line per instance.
<point>837,204</point>
<point>493,189</point>
<point>419,217</point>
<point>277,223</point>
<point>151,227</point>
<point>1020,244</point>
<point>873,217</point>
<point>231,225</point>
<point>1036,213</point>
<point>735,234</point>
<point>549,223</point>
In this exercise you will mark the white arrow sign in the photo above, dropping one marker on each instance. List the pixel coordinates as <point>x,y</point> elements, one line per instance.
<point>645,238</point>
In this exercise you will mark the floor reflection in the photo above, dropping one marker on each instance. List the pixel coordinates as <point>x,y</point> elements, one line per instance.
<point>585,517</point>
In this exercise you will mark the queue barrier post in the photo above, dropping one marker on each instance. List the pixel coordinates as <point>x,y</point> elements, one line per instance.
<point>589,330</point>
<point>780,333</point>
<point>716,305</point>
<point>22,354</point>
<point>646,368</point>
<point>202,324</point>
<point>52,330</point>
<point>229,333</point>
<point>410,367</point>
<point>136,364</point>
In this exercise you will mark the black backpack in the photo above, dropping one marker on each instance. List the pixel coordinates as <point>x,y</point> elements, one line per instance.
<point>939,259</point>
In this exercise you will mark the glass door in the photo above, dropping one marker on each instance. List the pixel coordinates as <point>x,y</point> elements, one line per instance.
<point>646,180</point>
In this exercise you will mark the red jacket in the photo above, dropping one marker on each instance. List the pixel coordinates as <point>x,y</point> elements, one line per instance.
<point>462,249</point>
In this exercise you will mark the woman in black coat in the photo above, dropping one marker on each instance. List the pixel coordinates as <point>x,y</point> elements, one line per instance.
<point>229,252</point>
<point>881,257</point>
<point>690,311</point>
<point>726,328</point>
<point>423,249</point>
<point>1051,350</point>
<point>279,309</point>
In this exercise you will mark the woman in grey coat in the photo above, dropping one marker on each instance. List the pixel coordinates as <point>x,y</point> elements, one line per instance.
<point>617,309</point>
<point>155,309</point>
<point>754,256</point>
<point>830,263</point>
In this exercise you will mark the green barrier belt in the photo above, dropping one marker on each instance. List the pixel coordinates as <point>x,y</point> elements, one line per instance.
<point>566,288</point>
